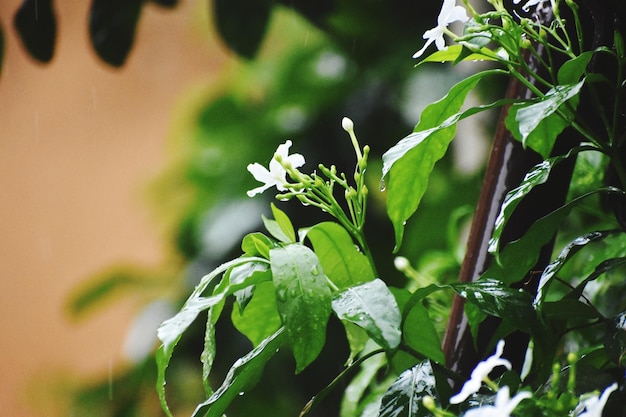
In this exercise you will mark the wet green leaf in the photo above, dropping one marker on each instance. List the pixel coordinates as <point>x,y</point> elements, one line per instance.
<point>260,317</point>
<point>242,376</point>
<point>496,299</point>
<point>404,396</point>
<point>538,123</point>
<point>566,254</point>
<point>536,176</point>
<point>303,298</point>
<point>372,307</point>
<point>408,164</point>
<point>171,330</point>
<point>343,263</point>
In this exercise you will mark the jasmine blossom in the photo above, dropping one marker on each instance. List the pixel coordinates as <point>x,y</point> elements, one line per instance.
<point>480,374</point>
<point>593,406</point>
<point>276,175</point>
<point>503,406</point>
<point>449,13</point>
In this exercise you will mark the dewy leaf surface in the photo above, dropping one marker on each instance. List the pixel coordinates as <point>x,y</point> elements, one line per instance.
<point>242,376</point>
<point>538,124</point>
<point>372,307</point>
<point>408,164</point>
<point>303,298</point>
<point>343,263</point>
<point>404,396</point>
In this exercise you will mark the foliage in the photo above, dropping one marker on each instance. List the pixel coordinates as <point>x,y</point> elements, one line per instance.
<point>338,272</point>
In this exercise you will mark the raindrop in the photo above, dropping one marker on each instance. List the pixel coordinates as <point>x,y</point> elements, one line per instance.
<point>382,186</point>
<point>293,292</point>
<point>281,294</point>
<point>241,393</point>
<point>314,270</point>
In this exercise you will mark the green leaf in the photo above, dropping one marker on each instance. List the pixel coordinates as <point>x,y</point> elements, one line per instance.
<point>257,244</point>
<point>372,307</point>
<point>343,263</point>
<point>242,376</point>
<point>573,311</point>
<point>303,298</point>
<point>353,394</point>
<point>171,330</point>
<point>571,71</point>
<point>538,123</point>
<point>408,164</point>
<point>565,255</point>
<point>260,318</point>
<point>496,299</point>
<point>419,333</point>
<point>519,256</point>
<point>284,223</point>
<point>239,274</point>
<point>404,396</point>
<point>536,176</point>
<point>453,52</point>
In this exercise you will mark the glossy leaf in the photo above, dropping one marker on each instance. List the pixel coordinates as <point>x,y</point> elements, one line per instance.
<point>242,23</point>
<point>536,176</point>
<point>419,332</point>
<point>36,26</point>
<point>404,396</point>
<point>343,263</point>
<point>496,299</point>
<point>520,256</point>
<point>565,255</point>
<point>260,317</point>
<point>372,307</point>
<point>303,298</point>
<point>408,164</point>
<point>171,330</point>
<point>112,26</point>
<point>605,266</point>
<point>538,123</point>
<point>573,311</point>
<point>242,376</point>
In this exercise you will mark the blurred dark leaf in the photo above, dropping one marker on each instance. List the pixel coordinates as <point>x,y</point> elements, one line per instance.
<point>112,25</point>
<point>36,26</point>
<point>166,3</point>
<point>242,24</point>
<point>314,10</point>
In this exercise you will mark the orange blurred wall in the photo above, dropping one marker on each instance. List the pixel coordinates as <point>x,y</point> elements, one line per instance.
<point>79,142</point>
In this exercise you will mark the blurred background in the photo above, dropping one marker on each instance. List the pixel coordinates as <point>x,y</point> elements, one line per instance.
<point>117,181</point>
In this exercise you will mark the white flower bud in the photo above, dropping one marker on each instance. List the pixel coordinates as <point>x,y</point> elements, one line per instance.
<point>347,124</point>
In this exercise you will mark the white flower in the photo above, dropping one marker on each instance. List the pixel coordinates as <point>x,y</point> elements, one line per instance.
<point>503,406</point>
<point>482,370</point>
<point>593,406</point>
<point>449,13</point>
<point>529,3</point>
<point>276,175</point>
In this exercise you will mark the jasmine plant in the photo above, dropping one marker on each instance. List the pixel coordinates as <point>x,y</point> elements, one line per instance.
<point>396,365</point>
